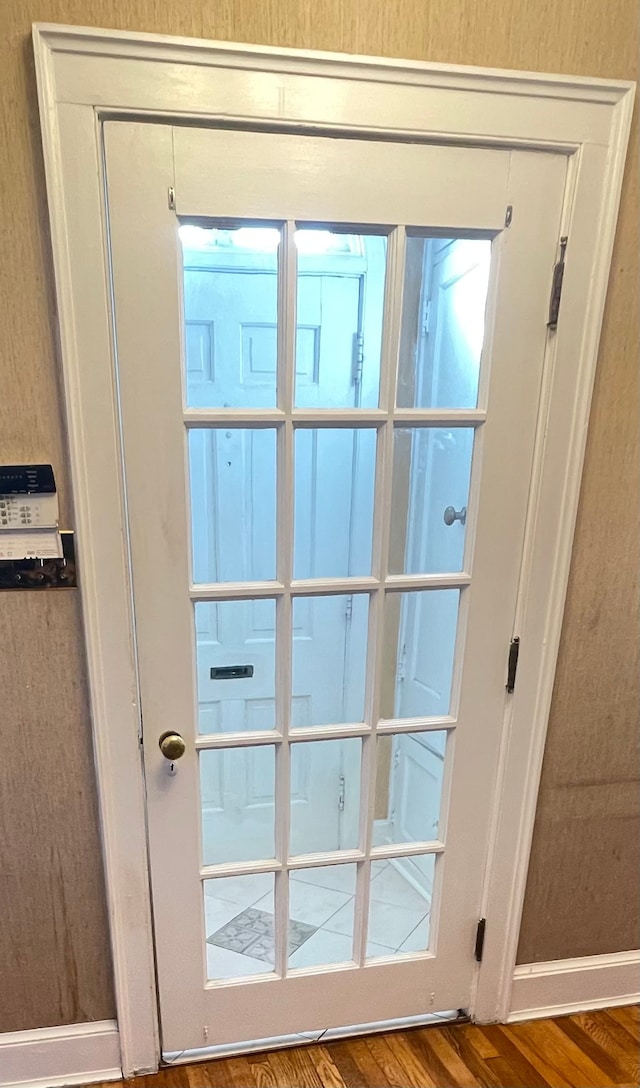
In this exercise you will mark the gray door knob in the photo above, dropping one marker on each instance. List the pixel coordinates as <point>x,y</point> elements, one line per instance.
<point>451,514</point>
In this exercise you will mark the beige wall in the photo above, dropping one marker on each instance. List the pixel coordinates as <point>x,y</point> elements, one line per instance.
<point>54,958</point>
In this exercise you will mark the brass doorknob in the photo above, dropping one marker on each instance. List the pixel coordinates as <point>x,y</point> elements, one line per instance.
<point>172,745</point>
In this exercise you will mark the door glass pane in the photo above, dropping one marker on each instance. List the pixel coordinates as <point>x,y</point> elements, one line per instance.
<point>418,652</point>
<point>400,905</point>
<point>334,486</point>
<point>325,795</point>
<point>339,314</point>
<point>409,769</point>
<point>431,474</point>
<point>233,504</point>
<point>442,332</point>
<point>230,316</point>
<point>321,900</point>
<point>235,656</point>
<point>239,925</point>
<point>329,659</point>
<point>237,790</point>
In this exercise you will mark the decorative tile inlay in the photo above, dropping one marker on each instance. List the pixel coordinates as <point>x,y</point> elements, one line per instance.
<point>251,933</point>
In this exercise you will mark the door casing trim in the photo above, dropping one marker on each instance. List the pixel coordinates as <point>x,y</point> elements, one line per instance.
<point>85,75</point>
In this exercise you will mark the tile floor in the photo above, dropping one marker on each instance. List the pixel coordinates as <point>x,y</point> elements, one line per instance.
<point>239,919</point>
<point>252,934</point>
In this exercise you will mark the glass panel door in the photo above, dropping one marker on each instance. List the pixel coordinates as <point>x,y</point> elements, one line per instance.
<point>320,419</point>
<point>303,791</point>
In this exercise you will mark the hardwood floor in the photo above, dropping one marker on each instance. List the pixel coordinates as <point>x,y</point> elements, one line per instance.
<point>590,1050</point>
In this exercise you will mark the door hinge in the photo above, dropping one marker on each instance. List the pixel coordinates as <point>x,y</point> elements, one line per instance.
<point>348,608</point>
<point>508,215</point>
<point>359,358</point>
<point>341,793</point>
<point>482,925</point>
<point>556,286</point>
<point>171,198</point>
<point>512,666</point>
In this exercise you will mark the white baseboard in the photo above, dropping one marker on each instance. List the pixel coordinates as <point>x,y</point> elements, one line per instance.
<point>52,1057</point>
<point>566,986</point>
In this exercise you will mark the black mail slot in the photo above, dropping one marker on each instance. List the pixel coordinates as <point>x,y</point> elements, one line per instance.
<point>231,672</point>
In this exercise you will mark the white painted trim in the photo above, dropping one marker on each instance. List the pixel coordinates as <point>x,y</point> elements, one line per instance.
<point>83,73</point>
<point>545,575</point>
<point>49,1057</point>
<point>135,45</point>
<point>106,597</point>
<point>568,986</point>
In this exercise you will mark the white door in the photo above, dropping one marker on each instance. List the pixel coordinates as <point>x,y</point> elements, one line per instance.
<point>453,275</point>
<point>317,852</point>
<point>437,460</point>
<point>230,326</point>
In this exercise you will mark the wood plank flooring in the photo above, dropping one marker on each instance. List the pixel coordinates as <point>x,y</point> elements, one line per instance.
<point>590,1050</point>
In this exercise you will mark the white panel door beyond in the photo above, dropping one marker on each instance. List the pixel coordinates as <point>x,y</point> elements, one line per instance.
<point>231,358</point>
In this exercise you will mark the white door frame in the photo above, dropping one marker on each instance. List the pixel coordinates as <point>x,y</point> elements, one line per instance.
<point>85,75</point>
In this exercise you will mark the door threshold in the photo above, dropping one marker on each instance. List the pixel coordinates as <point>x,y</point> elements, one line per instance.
<point>308,1038</point>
